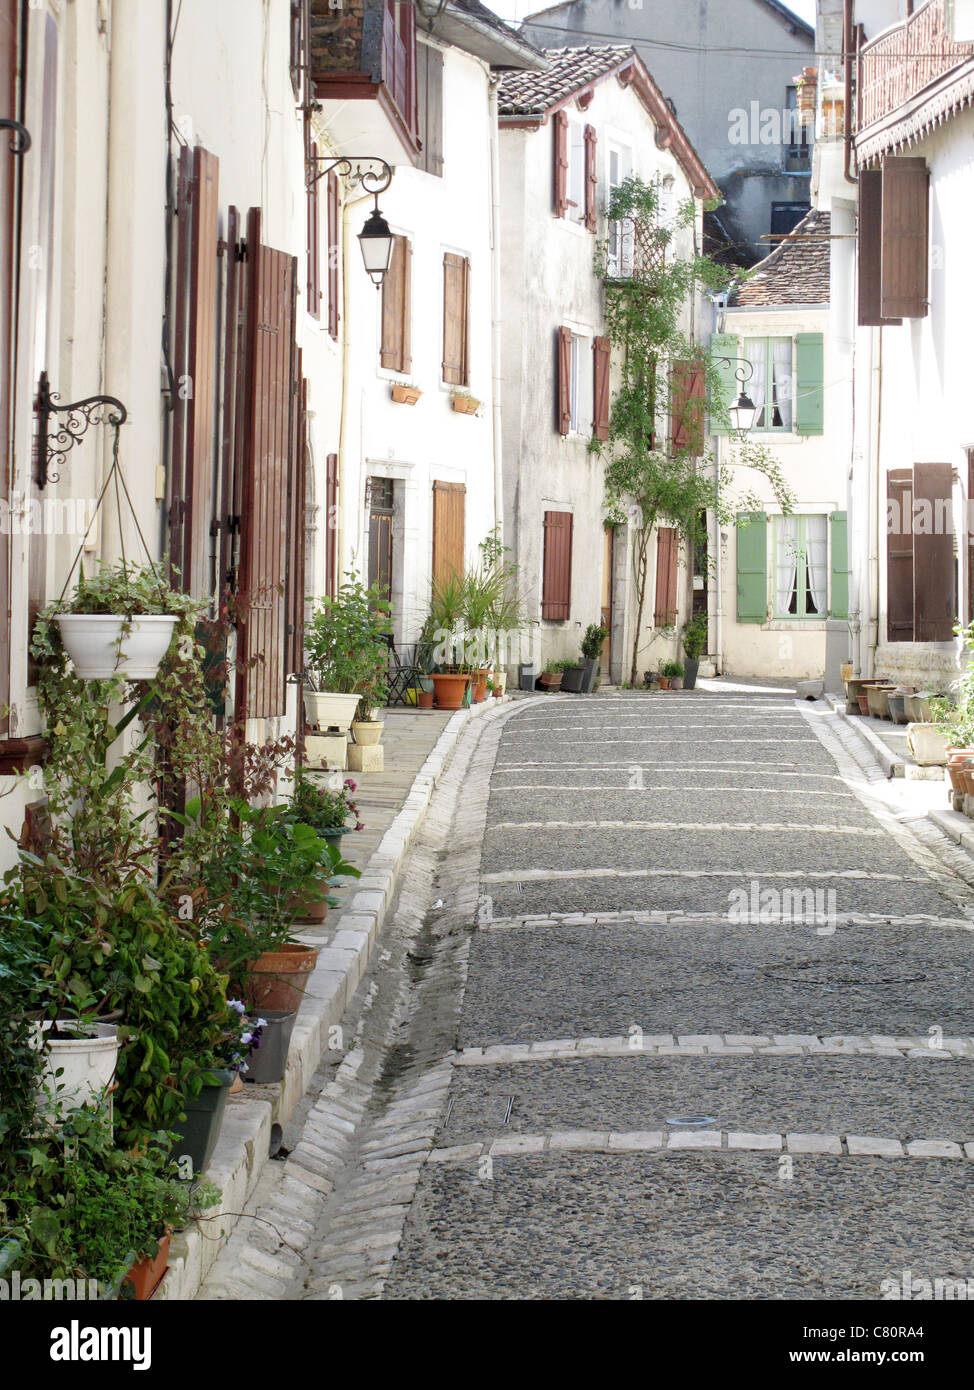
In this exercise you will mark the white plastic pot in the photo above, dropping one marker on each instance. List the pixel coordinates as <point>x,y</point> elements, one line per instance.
<point>91,640</point>
<point>325,709</point>
<point>368,732</point>
<point>86,1062</point>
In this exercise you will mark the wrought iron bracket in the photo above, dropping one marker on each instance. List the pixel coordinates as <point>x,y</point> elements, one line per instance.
<point>20,140</point>
<point>52,449</point>
<point>372,173</point>
<point>742,373</point>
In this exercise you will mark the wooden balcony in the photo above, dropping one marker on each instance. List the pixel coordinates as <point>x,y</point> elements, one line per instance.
<point>900,63</point>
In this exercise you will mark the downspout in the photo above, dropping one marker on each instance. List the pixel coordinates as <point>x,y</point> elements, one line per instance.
<point>876,378</point>
<point>718,544</point>
<point>847,47</point>
<point>495,327</point>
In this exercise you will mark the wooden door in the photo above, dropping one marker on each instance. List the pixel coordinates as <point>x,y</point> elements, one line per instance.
<point>608,558</point>
<point>380,534</point>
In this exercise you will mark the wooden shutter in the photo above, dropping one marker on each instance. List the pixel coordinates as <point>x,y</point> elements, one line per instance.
<point>296,587</point>
<point>191,501</point>
<point>810,403</point>
<point>8,197</point>
<point>331,525</point>
<point>969,531</point>
<point>456,300</point>
<point>313,224</point>
<point>839,606</point>
<point>723,345</point>
<point>396,308</point>
<point>899,555</point>
<point>869,242</point>
<point>556,584</point>
<point>688,388</point>
<point>667,560</point>
<point>752,567</point>
<point>449,521</point>
<point>334,252</point>
<point>429,84</point>
<point>264,515</point>
<point>591,178</point>
<point>559,123</point>
<point>906,199</point>
<point>933,553</point>
<point>563,382</point>
<point>602,349</point>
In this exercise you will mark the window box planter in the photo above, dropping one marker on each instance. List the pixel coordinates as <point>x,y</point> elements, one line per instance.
<point>327,709</point>
<point>267,1063</point>
<point>450,691</point>
<point>927,744</point>
<point>145,1276</point>
<point>276,979</point>
<point>466,405</point>
<point>84,1053</point>
<point>99,646</point>
<point>405,395</point>
<point>877,700</point>
<point>198,1133</point>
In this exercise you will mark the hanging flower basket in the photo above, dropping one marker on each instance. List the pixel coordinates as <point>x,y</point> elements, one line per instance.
<point>102,645</point>
<point>466,405</point>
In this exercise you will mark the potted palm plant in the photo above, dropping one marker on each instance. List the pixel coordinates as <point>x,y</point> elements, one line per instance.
<point>446,628</point>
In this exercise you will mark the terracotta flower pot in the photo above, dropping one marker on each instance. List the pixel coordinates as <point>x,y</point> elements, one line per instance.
<point>551,680</point>
<point>426,699</point>
<point>862,699</point>
<point>465,405</point>
<point>405,395</point>
<point>664,682</point>
<point>276,980</point>
<point>479,692</point>
<point>146,1276</point>
<point>449,690</point>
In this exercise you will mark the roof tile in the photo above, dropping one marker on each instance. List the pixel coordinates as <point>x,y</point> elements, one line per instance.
<point>796,271</point>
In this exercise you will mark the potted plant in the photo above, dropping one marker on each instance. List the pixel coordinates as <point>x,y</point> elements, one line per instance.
<point>325,806</point>
<point>464,403</point>
<point>445,628</point>
<point>348,654</point>
<point>366,729</point>
<point>573,678</point>
<point>551,676</point>
<point>405,393</point>
<point>673,674</point>
<point>694,642</point>
<point>592,644</point>
<point>267,1060</point>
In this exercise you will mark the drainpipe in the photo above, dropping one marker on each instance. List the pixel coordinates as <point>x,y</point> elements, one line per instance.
<point>721,320</point>
<point>878,527</point>
<point>495,290</point>
<point>847,57</point>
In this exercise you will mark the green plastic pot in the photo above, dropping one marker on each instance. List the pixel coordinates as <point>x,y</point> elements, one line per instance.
<point>201,1129</point>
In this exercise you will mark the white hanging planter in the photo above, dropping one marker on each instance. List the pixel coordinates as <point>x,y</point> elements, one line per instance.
<point>86,1061</point>
<point>98,650</point>
<point>326,709</point>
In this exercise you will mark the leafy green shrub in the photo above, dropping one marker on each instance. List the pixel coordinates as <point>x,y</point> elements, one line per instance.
<point>594,640</point>
<point>346,642</point>
<point>672,670</point>
<point>21,965</point>
<point>695,636</point>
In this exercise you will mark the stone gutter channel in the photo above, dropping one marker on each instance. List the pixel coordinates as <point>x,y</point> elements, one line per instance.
<point>253,1125</point>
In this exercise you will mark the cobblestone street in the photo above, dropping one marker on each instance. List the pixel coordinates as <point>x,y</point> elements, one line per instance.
<point>674,1004</point>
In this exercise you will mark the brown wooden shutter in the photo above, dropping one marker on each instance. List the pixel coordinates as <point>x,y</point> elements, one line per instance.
<point>933,553</point>
<point>334,253</point>
<point>191,502</point>
<point>667,557</point>
<point>591,179</point>
<point>688,404</point>
<point>429,91</point>
<point>869,243</point>
<point>563,391</point>
<point>899,556</point>
<point>969,529</point>
<point>312,222</point>
<point>556,584</point>
<point>906,199</point>
<point>297,512</point>
<point>264,512</point>
<point>396,309</point>
<point>234,443</point>
<point>559,124</point>
<point>331,525</point>
<point>449,530</point>
<point>602,349</point>
<point>456,299</point>
<point>8,197</point>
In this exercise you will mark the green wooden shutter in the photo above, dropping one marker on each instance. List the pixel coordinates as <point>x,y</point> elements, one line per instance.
<point>724,345</point>
<point>752,560</point>
<point>839,607</point>
<point>811,384</point>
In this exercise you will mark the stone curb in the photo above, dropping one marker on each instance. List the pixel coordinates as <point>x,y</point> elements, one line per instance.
<point>718,1045</point>
<point>243,1148</point>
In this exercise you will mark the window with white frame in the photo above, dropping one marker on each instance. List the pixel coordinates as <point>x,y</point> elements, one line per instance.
<point>580,383</point>
<point>801,567</point>
<point>771,385</point>
<point>576,171</point>
<point>620,234</point>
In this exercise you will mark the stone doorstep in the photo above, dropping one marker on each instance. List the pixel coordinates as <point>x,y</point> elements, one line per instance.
<point>243,1148</point>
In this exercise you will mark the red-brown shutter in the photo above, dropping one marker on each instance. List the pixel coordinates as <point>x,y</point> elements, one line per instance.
<point>563,385</point>
<point>449,530</point>
<point>933,553</point>
<point>899,555</point>
<point>600,411</point>
<point>235,443</point>
<point>559,124</point>
<point>667,556</point>
<point>591,179</point>
<point>869,242</point>
<point>969,529</point>
<point>264,513</point>
<point>396,309</point>
<point>688,404</point>
<point>331,525</point>
<point>191,504</point>
<point>456,299</point>
<point>8,186</point>
<point>295,589</point>
<point>334,253</point>
<point>906,200</point>
<point>556,585</point>
<point>312,223</point>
